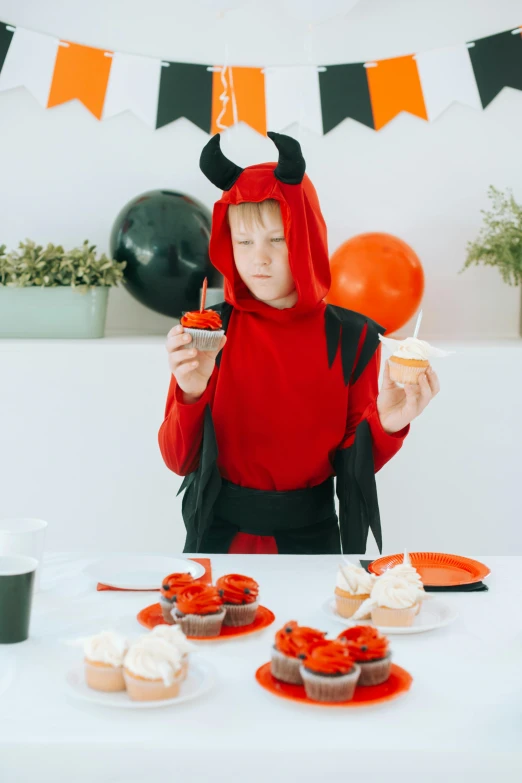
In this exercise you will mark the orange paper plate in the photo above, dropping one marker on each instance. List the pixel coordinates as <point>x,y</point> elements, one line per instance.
<point>398,682</point>
<point>436,569</point>
<point>152,616</point>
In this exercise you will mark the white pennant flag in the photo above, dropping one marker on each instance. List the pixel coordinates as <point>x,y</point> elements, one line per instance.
<point>447,76</point>
<point>293,95</point>
<point>30,63</point>
<point>133,86</point>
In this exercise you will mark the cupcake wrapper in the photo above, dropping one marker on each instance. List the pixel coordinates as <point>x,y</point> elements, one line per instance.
<point>240,614</point>
<point>204,625</point>
<point>103,677</point>
<point>321,688</point>
<point>151,690</point>
<point>204,339</point>
<point>403,373</point>
<point>346,607</point>
<point>285,668</point>
<point>396,618</point>
<point>166,609</point>
<point>374,672</point>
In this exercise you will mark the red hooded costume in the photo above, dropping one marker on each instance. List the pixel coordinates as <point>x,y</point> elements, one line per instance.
<point>291,387</point>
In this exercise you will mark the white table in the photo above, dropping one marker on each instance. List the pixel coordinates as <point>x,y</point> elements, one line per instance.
<point>461,718</point>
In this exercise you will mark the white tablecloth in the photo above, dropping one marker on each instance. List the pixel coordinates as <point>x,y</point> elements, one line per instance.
<point>461,716</point>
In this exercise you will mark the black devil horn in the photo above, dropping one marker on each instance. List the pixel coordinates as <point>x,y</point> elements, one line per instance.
<point>291,166</point>
<point>216,167</point>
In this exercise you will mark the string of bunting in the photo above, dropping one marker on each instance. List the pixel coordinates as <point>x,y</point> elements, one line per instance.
<point>215,97</point>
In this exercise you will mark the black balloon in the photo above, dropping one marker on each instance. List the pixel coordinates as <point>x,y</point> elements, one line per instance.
<point>163,236</point>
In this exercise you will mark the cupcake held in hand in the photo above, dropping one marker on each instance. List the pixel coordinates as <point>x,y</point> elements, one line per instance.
<point>292,644</point>
<point>199,610</point>
<point>240,598</point>
<point>170,588</point>
<point>104,653</point>
<point>370,651</point>
<point>153,669</point>
<point>329,673</point>
<point>410,357</point>
<point>353,586</point>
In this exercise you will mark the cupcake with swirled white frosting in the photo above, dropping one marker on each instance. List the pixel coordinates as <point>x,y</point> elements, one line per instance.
<point>410,357</point>
<point>175,636</point>
<point>392,603</point>
<point>353,586</point>
<point>408,572</point>
<point>104,653</point>
<point>153,669</point>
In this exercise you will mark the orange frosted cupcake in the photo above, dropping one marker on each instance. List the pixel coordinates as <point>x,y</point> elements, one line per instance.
<point>410,358</point>
<point>292,644</point>
<point>205,327</point>
<point>170,588</point>
<point>370,650</point>
<point>199,610</point>
<point>240,598</point>
<point>329,673</point>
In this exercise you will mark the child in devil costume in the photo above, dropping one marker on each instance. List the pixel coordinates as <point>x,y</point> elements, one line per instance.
<point>261,427</point>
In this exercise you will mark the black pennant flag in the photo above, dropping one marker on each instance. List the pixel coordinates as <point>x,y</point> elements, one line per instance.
<point>6,36</point>
<point>344,93</point>
<point>497,63</point>
<point>185,91</point>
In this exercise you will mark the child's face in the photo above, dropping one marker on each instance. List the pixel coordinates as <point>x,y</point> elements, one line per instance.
<point>261,257</point>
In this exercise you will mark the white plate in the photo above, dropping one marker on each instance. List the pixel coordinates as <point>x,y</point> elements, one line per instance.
<point>7,669</point>
<point>200,679</point>
<point>139,572</point>
<point>433,614</point>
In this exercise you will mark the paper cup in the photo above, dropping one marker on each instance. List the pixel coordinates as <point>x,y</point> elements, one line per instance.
<point>24,536</point>
<point>16,597</point>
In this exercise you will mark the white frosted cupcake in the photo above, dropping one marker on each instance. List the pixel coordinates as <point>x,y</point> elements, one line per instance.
<point>408,572</point>
<point>410,357</point>
<point>353,586</point>
<point>175,636</point>
<point>152,669</point>
<point>104,653</point>
<point>392,603</point>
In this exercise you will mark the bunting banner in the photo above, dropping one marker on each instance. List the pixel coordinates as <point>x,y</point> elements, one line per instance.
<point>216,97</point>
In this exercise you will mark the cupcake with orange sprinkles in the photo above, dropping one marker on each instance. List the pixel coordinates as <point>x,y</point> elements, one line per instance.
<point>204,326</point>
<point>199,610</point>
<point>292,644</point>
<point>240,598</point>
<point>370,650</point>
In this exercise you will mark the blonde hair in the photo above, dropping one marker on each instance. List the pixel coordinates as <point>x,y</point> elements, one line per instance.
<point>252,213</point>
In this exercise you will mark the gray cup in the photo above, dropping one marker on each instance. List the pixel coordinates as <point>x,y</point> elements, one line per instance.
<point>16,597</point>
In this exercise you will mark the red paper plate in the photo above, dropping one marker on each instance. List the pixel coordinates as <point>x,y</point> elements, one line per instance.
<point>152,616</point>
<point>436,569</point>
<point>398,682</point>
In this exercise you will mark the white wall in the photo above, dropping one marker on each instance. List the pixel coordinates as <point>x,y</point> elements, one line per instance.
<point>79,423</point>
<point>65,175</point>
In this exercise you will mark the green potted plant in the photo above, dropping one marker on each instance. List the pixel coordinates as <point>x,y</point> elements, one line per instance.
<point>51,292</point>
<point>499,242</point>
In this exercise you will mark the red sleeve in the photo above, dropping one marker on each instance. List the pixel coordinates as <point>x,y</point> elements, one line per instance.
<point>182,429</point>
<point>362,404</point>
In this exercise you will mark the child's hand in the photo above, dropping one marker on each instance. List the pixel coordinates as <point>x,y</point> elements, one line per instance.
<point>191,368</point>
<point>398,406</point>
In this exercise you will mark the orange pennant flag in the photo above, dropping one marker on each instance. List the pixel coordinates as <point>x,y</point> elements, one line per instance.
<point>245,90</point>
<point>80,72</point>
<point>395,86</point>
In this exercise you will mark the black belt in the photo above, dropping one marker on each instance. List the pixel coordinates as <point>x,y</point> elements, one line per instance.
<point>261,512</point>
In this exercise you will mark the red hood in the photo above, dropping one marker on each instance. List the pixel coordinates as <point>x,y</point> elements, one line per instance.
<point>305,233</point>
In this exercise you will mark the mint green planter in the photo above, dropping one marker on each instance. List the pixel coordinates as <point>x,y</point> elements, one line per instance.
<point>37,311</point>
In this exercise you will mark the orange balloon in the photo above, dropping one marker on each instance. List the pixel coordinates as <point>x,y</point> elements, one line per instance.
<point>378,275</point>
